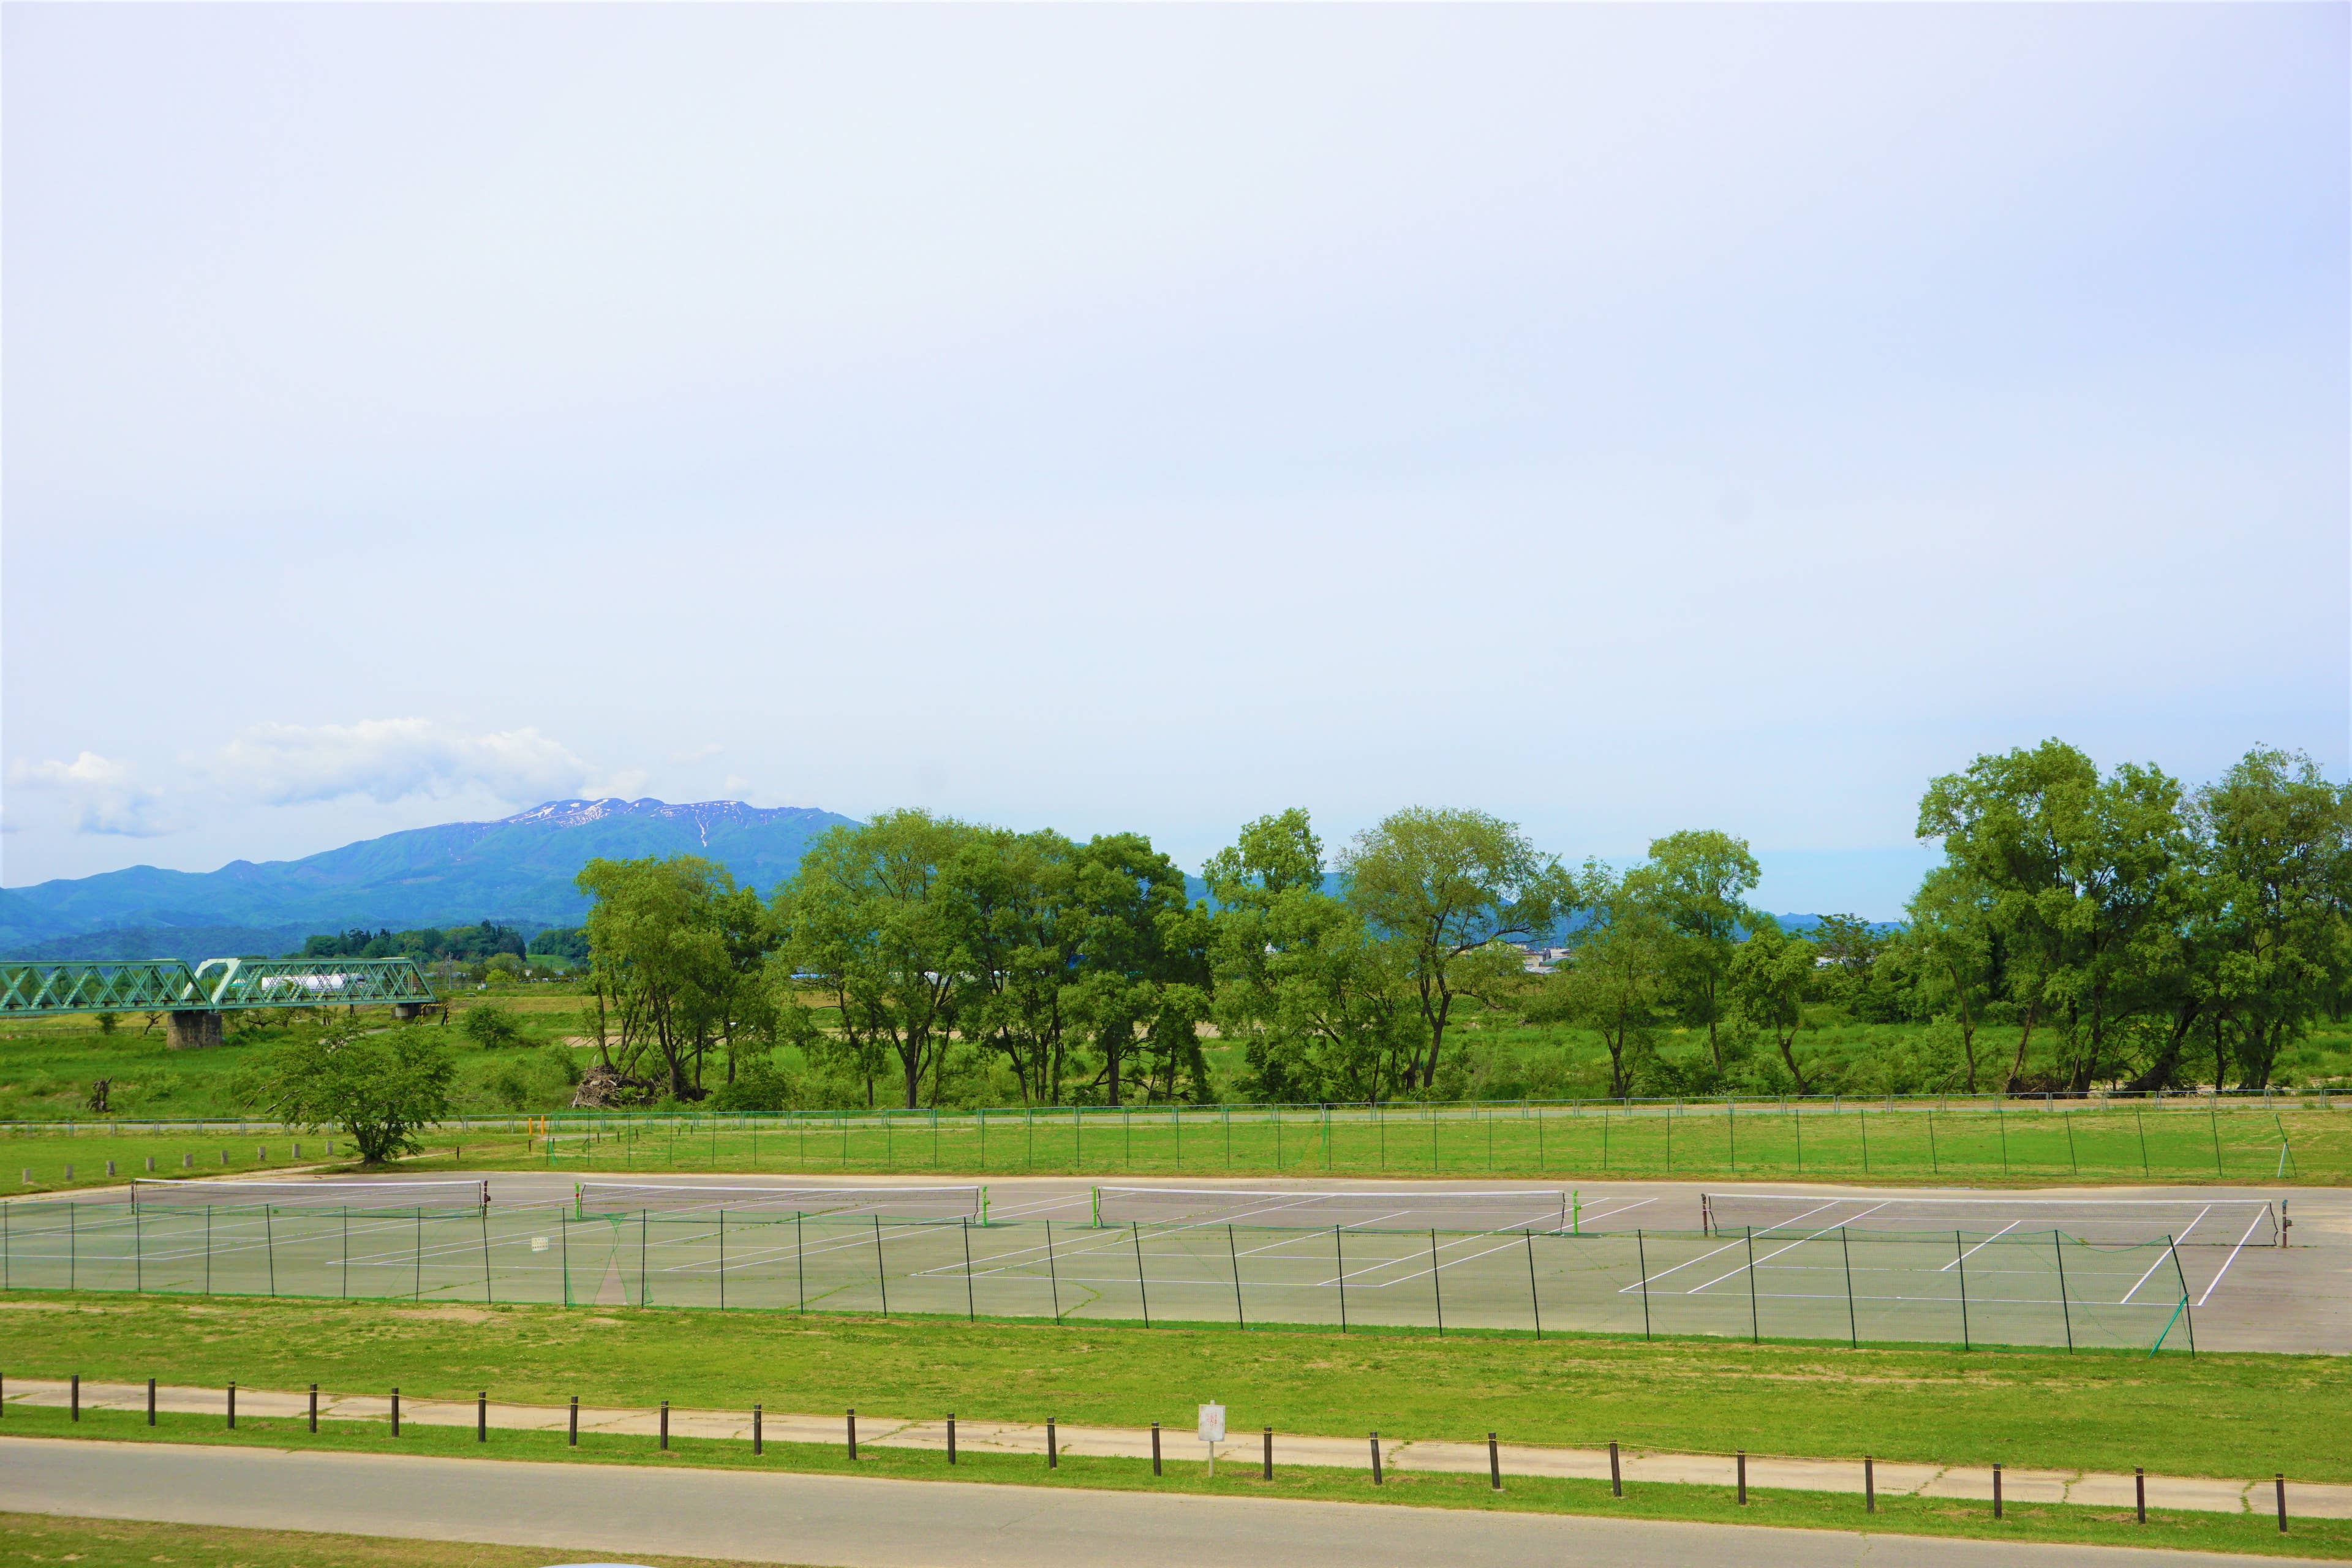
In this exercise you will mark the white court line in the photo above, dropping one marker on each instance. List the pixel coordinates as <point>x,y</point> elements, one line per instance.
<point>1769,1256</point>
<point>1727,1247</point>
<point>1988,1241</point>
<point>2232,1258</point>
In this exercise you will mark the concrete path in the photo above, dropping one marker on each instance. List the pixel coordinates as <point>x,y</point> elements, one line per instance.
<point>2308,1499</point>
<point>852,1523</point>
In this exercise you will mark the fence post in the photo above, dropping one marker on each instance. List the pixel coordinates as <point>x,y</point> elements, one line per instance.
<point>269,1246</point>
<point>1234,1257</point>
<point>1053,1272</point>
<point>2187,1311</point>
<point>1616,1478</point>
<point>971,1309</point>
<point>1869,1486</point>
<point>881,1279</point>
<point>800,1261</point>
<point>2058,1250</point>
<point>1845,1249</point>
<point>1960,1258</point>
<point>1535,1301</point>
<point>1642,1263</point>
<point>1339,1261</point>
<point>1755,1327</point>
<point>1143,1292</point>
<point>485,1254</point>
<point>1436,1290</point>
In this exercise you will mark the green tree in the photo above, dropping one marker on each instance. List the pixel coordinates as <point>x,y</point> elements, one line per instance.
<point>379,1087</point>
<point>2277,843</point>
<point>659,959</point>
<point>873,913</point>
<point>1958,954</point>
<point>1617,981</point>
<point>1448,887</point>
<point>1323,1009</point>
<point>1013,891</point>
<point>1697,879</point>
<point>1768,977</point>
<point>490,1027</point>
<point>2081,876</point>
<point>1139,985</point>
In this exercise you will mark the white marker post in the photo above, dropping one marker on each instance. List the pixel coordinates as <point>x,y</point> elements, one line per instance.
<point>1213,1431</point>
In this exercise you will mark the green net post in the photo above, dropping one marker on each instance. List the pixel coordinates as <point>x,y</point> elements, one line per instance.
<point>1096,1194</point>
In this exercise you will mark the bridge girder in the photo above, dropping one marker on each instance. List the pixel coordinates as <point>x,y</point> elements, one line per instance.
<point>37,989</point>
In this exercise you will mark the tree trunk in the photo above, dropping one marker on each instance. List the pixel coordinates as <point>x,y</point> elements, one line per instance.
<point>2017,1069</point>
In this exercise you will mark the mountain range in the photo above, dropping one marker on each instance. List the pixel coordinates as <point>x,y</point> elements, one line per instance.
<point>517,870</point>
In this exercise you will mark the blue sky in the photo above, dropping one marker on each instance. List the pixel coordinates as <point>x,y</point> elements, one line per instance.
<point>1619,418</point>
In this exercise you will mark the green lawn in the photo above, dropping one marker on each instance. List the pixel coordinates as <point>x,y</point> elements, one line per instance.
<point>2181,1529</point>
<point>2218,1415</point>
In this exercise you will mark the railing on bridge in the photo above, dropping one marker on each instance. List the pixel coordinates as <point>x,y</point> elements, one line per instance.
<point>173,985</point>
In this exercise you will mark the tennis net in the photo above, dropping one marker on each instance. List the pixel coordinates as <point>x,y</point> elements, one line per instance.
<point>1513,1208</point>
<point>432,1194</point>
<point>2194,1221</point>
<point>693,1197</point>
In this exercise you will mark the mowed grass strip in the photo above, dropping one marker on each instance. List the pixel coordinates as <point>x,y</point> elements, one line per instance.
<point>2228,1416</point>
<point>49,1540</point>
<point>1240,1477</point>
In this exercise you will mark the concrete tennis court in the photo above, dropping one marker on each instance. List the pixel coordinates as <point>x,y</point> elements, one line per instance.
<point>1366,1254</point>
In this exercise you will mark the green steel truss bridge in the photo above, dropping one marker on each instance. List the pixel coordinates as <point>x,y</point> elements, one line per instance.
<point>172,985</point>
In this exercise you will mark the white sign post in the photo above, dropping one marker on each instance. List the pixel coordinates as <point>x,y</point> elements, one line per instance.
<point>1213,1431</point>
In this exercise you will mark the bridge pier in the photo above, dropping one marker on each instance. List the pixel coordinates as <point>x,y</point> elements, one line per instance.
<point>189,1030</point>
<point>405,1010</point>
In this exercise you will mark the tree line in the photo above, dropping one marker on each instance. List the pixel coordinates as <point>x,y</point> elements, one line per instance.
<point>2084,927</point>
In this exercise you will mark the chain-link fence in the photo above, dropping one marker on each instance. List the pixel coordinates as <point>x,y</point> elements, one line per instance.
<point>1849,1285</point>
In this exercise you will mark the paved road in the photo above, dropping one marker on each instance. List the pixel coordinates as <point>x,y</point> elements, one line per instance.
<point>849,1522</point>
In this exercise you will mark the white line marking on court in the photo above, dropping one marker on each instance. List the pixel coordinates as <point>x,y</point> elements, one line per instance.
<point>1769,1256</point>
<point>2232,1258</point>
<point>1661,1274</point>
<point>1988,1241</point>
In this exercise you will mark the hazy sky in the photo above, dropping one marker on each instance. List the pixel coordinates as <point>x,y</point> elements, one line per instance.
<point>1619,418</point>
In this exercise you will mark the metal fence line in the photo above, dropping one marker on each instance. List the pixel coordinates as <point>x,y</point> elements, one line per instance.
<point>1351,1279</point>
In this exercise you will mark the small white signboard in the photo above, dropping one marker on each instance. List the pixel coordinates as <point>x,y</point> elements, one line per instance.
<point>1212,1431</point>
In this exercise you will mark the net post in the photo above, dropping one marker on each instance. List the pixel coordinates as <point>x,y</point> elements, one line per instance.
<point>1095,1196</point>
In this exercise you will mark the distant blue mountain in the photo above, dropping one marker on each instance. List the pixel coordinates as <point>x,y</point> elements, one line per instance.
<point>518,870</point>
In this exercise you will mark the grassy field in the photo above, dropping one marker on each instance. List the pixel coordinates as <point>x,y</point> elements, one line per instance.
<point>2219,1415</point>
<point>2024,1143</point>
<point>30,1538</point>
<point>2178,1530</point>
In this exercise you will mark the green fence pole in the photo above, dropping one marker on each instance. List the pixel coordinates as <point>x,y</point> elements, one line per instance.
<point>722,1260</point>
<point>346,1291</point>
<point>563,1240</point>
<point>1961,1256</point>
<point>1436,1287</point>
<point>1731,1121</point>
<point>1845,1251</point>
<point>2215,1107</point>
<point>2058,1250</point>
<point>269,1246</point>
<point>420,1255</point>
<point>1755,1324</point>
<point>2187,1313</point>
<point>487,1295</point>
<point>1642,1263</point>
<point>800,1261</point>
<point>1862,1118</point>
<point>1241,1319</point>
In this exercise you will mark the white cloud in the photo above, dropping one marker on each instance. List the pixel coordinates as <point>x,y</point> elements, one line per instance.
<point>733,785</point>
<point>393,759</point>
<point>102,794</point>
